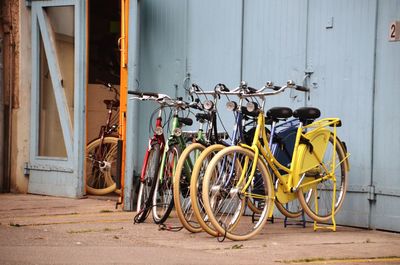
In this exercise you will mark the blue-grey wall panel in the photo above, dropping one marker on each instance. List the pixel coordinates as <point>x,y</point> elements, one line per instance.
<point>214,42</point>
<point>274,45</point>
<point>214,47</point>
<point>162,55</point>
<point>354,211</point>
<point>340,52</point>
<point>386,152</point>
<point>261,40</point>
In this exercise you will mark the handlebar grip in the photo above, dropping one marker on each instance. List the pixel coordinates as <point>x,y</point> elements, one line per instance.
<point>251,89</point>
<point>302,88</point>
<point>137,93</point>
<point>276,88</point>
<point>195,87</point>
<point>223,88</point>
<point>141,94</point>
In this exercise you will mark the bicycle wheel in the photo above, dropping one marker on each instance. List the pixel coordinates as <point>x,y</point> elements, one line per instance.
<point>282,149</point>
<point>290,209</point>
<point>182,201</point>
<point>196,183</point>
<point>101,162</point>
<point>163,199</point>
<point>257,183</point>
<point>256,187</point>
<point>146,189</point>
<point>317,201</point>
<point>224,193</point>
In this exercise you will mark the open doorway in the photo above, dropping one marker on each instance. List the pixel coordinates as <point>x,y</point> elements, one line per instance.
<point>103,96</point>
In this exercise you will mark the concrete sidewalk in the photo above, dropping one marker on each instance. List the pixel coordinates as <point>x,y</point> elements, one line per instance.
<point>48,230</point>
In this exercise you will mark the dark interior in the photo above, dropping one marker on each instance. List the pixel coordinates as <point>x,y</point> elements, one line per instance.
<point>104,31</point>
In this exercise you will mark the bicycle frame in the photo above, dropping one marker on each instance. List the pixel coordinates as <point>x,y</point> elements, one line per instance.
<point>156,139</point>
<point>172,139</point>
<point>291,181</point>
<point>237,136</point>
<point>105,130</point>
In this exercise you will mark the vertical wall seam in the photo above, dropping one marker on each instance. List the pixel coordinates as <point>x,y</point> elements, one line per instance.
<point>242,43</point>
<point>306,95</point>
<point>186,42</point>
<point>373,109</point>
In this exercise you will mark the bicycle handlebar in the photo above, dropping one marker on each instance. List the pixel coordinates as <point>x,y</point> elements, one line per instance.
<point>291,84</point>
<point>141,94</point>
<point>162,99</point>
<point>195,89</point>
<point>277,90</point>
<point>165,100</point>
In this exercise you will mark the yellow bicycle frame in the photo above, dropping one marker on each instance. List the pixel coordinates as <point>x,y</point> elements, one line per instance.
<point>301,161</point>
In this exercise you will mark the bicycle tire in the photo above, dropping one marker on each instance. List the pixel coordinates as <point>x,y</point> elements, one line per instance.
<point>182,199</point>
<point>196,181</point>
<point>251,202</point>
<point>291,209</point>
<point>283,153</point>
<point>163,200</point>
<point>321,192</point>
<point>223,199</point>
<point>146,189</point>
<point>100,168</point>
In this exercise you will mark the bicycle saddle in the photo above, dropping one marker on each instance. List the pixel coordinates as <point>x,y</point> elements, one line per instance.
<point>279,113</point>
<point>307,114</point>
<point>186,121</point>
<point>111,103</point>
<point>202,117</point>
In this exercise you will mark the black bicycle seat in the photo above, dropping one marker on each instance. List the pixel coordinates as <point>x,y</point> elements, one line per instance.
<point>202,117</point>
<point>186,121</point>
<point>279,113</point>
<point>111,103</point>
<point>307,114</point>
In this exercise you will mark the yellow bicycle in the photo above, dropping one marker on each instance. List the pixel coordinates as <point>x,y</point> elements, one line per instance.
<point>317,175</point>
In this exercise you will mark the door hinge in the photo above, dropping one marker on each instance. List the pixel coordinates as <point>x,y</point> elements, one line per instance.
<point>27,169</point>
<point>371,193</point>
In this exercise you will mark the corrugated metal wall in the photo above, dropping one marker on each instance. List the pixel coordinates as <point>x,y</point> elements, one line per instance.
<point>162,55</point>
<point>340,52</point>
<point>274,47</point>
<point>342,43</point>
<point>385,212</point>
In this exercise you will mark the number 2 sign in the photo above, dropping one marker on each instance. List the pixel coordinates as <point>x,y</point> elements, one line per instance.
<point>394,31</point>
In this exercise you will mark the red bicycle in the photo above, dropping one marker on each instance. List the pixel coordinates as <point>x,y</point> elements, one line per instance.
<point>151,160</point>
<point>101,153</point>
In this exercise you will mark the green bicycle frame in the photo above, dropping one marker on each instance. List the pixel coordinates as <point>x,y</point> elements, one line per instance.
<point>176,137</point>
